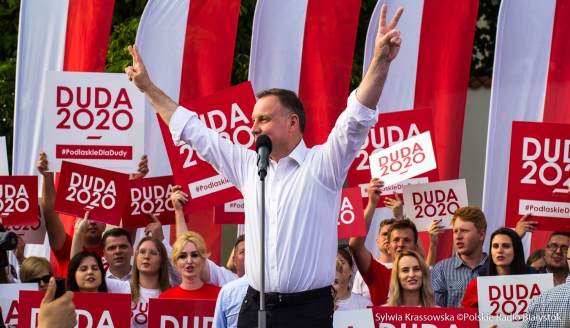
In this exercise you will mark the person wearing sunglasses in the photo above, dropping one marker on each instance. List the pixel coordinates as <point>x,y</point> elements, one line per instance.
<point>189,254</point>
<point>36,270</point>
<point>555,256</point>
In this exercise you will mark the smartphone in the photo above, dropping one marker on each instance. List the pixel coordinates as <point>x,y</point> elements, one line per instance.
<point>60,284</point>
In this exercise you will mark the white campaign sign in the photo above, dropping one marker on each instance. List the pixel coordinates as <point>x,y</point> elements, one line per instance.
<point>503,300</point>
<point>353,318</point>
<point>436,201</point>
<point>3,157</point>
<point>35,234</point>
<point>404,160</point>
<point>9,297</point>
<point>94,119</point>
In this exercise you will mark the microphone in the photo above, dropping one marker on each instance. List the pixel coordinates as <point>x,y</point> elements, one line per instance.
<point>263,148</point>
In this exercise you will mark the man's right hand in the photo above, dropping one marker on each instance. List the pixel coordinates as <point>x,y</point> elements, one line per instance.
<point>42,165</point>
<point>57,313</point>
<point>138,73</point>
<point>178,197</point>
<point>524,226</point>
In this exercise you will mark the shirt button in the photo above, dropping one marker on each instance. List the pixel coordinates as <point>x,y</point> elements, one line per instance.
<point>274,199</point>
<point>272,267</point>
<point>274,289</point>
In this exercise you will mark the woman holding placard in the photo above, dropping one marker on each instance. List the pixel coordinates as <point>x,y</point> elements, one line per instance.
<point>85,273</point>
<point>507,258</point>
<point>345,299</point>
<point>410,285</point>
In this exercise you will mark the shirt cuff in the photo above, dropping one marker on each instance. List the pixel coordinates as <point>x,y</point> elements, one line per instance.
<point>178,121</point>
<point>366,116</point>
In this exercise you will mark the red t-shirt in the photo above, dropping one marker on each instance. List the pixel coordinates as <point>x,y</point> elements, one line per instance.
<point>377,278</point>
<point>206,292</point>
<point>470,298</point>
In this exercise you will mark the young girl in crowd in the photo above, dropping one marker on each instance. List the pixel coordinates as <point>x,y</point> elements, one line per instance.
<point>36,269</point>
<point>536,260</point>
<point>410,282</point>
<point>345,299</point>
<point>85,273</point>
<point>507,258</point>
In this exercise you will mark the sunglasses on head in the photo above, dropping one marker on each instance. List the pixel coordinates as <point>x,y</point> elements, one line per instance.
<point>45,279</point>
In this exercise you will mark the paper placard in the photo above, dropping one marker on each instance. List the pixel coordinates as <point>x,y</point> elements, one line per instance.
<point>351,216</point>
<point>404,160</point>
<point>166,313</point>
<point>425,203</point>
<point>504,300</point>
<point>148,195</point>
<point>230,213</point>
<point>32,234</point>
<point>93,119</point>
<point>19,200</point>
<point>3,157</point>
<point>435,317</point>
<point>9,300</point>
<point>353,318</point>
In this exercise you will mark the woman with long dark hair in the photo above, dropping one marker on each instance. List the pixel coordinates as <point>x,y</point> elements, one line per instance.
<point>86,273</point>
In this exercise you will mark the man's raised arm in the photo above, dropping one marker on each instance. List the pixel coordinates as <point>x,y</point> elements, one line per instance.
<point>55,230</point>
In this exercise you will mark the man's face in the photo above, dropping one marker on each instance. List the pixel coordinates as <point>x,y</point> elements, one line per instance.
<point>270,118</point>
<point>95,230</point>
<point>382,240</point>
<point>239,259</point>
<point>402,240</point>
<point>556,259</point>
<point>466,238</point>
<point>118,252</point>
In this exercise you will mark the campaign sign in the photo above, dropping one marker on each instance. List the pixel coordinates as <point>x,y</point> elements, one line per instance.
<point>9,296</point>
<point>18,200</point>
<point>94,310</point>
<point>179,313</point>
<point>423,317</point>
<point>436,201</point>
<point>351,216</point>
<point>230,213</point>
<point>391,129</point>
<point>32,234</point>
<point>539,175</point>
<point>353,318</point>
<point>228,112</point>
<point>3,157</point>
<point>93,119</point>
<point>504,300</point>
<point>149,195</point>
<point>82,188</point>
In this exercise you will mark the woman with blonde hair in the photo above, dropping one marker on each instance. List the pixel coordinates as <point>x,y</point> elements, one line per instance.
<point>345,299</point>
<point>410,282</point>
<point>38,270</point>
<point>189,254</point>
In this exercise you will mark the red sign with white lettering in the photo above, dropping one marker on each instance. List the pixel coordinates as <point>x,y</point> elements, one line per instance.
<point>32,234</point>
<point>434,317</point>
<point>93,309</point>
<point>351,216</point>
<point>230,213</point>
<point>165,313</point>
<point>84,188</point>
<point>539,175</point>
<point>19,200</point>
<point>228,112</point>
<point>149,195</point>
<point>391,129</point>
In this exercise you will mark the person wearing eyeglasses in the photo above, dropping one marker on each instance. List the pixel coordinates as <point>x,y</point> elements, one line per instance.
<point>36,270</point>
<point>555,256</point>
<point>189,254</point>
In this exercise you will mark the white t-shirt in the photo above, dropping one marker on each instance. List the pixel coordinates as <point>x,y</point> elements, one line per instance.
<point>359,286</point>
<point>139,311</point>
<point>354,302</point>
<point>220,276</point>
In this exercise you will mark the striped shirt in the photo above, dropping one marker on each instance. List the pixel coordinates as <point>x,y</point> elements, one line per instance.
<point>449,280</point>
<point>551,309</point>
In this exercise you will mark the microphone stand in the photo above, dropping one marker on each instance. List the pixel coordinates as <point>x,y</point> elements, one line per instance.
<point>262,315</point>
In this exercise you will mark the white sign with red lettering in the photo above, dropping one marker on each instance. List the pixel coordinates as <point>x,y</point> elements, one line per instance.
<point>504,300</point>
<point>94,119</point>
<point>32,234</point>
<point>3,157</point>
<point>354,318</point>
<point>404,160</point>
<point>9,300</point>
<point>436,201</point>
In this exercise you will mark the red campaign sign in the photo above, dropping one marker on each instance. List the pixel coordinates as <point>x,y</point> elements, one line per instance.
<point>84,188</point>
<point>230,213</point>
<point>229,113</point>
<point>93,309</point>
<point>19,200</point>
<point>392,128</point>
<point>32,234</point>
<point>539,175</point>
<point>351,216</point>
<point>167,313</point>
<point>435,317</point>
<point>148,195</point>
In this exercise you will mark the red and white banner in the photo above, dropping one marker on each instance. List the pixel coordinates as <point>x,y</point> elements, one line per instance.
<point>391,129</point>
<point>436,201</point>
<point>35,233</point>
<point>93,309</point>
<point>101,192</point>
<point>149,195</point>
<point>540,94</point>
<point>227,112</point>
<point>230,213</point>
<point>538,179</point>
<point>435,317</point>
<point>93,119</point>
<point>9,301</point>
<point>504,300</point>
<point>166,313</point>
<point>351,216</point>
<point>18,200</point>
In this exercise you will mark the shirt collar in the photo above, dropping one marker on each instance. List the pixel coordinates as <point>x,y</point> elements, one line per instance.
<point>459,262</point>
<point>109,274</point>
<point>299,153</point>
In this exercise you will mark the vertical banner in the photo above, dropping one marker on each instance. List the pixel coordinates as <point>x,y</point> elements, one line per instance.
<point>3,157</point>
<point>351,216</point>
<point>9,301</point>
<point>35,233</point>
<point>19,200</point>
<point>166,313</point>
<point>149,195</point>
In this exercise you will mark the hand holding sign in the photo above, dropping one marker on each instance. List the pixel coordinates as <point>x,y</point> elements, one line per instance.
<point>142,169</point>
<point>524,226</point>
<point>178,197</point>
<point>396,205</point>
<point>57,313</point>
<point>155,228</point>
<point>434,230</point>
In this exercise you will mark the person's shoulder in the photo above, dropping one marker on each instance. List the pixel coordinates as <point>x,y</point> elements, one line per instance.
<point>236,284</point>
<point>361,300</point>
<point>444,264</point>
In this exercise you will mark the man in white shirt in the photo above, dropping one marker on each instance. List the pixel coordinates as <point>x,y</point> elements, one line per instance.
<point>303,186</point>
<point>118,250</point>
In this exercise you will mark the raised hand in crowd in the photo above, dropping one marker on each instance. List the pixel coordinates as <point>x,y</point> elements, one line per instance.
<point>19,250</point>
<point>57,313</point>
<point>396,205</point>
<point>524,226</point>
<point>155,228</point>
<point>179,198</point>
<point>81,226</point>
<point>434,230</point>
<point>142,170</point>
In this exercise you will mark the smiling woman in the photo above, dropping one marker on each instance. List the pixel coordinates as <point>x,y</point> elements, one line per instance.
<point>410,282</point>
<point>85,273</point>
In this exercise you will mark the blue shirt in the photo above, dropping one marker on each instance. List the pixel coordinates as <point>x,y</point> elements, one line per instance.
<point>449,280</point>
<point>550,309</point>
<point>229,303</point>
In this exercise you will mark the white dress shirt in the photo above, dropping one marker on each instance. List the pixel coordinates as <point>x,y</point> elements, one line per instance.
<point>302,197</point>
